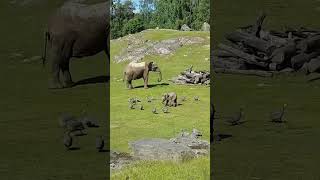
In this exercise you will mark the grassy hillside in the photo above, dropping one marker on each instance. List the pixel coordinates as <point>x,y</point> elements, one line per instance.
<point>260,149</point>
<point>128,125</point>
<point>30,135</point>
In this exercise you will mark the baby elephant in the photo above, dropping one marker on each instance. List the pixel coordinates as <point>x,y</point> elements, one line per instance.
<point>170,99</point>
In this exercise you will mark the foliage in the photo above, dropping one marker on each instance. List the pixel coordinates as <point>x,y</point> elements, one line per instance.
<point>158,13</point>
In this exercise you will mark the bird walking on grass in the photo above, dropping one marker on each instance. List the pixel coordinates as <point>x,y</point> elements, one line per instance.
<point>149,99</point>
<point>154,110</point>
<point>165,109</point>
<point>100,143</point>
<point>278,115</point>
<point>196,98</point>
<point>141,107</point>
<point>234,120</point>
<point>131,106</point>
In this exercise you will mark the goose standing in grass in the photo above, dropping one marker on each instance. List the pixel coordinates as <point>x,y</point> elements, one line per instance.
<point>154,110</point>
<point>131,106</point>
<point>100,143</point>
<point>278,115</point>
<point>165,109</point>
<point>67,140</point>
<point>149,99</point>
<point>196,98</point>
<point>236,118</point>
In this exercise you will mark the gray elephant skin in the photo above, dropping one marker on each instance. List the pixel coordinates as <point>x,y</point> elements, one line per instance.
<point>140,70</point>
<point>75,30</point>
<point>170,99</point>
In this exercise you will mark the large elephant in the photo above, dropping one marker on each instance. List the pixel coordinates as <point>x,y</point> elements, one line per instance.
<point>75,30</point>
<point>140,70</point>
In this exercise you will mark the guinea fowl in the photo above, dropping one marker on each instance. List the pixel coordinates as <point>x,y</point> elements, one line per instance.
<point>278,115</point>
<point>165,109</point>
<point>234,120</point>
<point>196,98</point>
<point>154,110</point>
<point>100,143</point>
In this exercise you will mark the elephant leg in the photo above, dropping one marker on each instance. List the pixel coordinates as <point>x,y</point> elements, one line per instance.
<point>130,84</point>
<point>146,82</point>
<point>67,80</point>
<point>54,80</point>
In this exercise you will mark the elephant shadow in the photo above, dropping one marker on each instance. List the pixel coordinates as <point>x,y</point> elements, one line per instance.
<point>153,85</point>
<point>93,80</point>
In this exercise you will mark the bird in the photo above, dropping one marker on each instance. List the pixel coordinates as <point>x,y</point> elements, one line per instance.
<point>132,101</point>
<point>141,107</point>
<point>189,69</point>
<point>165,109</point>
<point>195,133</point>
<point>67,140</point>
<point>100,143</point>
<point>154,110</point>
<point>183,98</point>
<point>184,133</point>
<point>196,98</point>
<point>278,115</point>
<point>236,118</point>
<point>149,99</point>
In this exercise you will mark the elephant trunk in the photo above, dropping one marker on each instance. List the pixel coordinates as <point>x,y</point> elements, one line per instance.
<point>160,76</point>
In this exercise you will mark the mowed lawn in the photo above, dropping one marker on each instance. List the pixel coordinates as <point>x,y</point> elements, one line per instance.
<point>130,125</point>
<point>260,149</point>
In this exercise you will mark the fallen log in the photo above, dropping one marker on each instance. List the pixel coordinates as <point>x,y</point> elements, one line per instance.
<point>313,65</point>
<point>250,41</point>
<point>310,44</point>
<point>244,72</point>
<point>230,63</point>
<point>248,58</point>
<point>222,53</point>
<point>298,60</point>
<point>274,40</point>
<point>284,54</point>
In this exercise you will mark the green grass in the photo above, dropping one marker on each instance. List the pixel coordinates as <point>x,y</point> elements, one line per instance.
<point>260,149</point>
<point>129,125</point>
<point>30,136</point>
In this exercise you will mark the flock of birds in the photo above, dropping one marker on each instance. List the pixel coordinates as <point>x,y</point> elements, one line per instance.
<point>136,103</point>
<point>76,126</point>
<point>276,116</point>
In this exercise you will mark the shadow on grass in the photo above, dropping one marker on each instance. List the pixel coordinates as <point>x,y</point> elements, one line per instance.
<point>153,85</point>
<point>74,148</point>
<point>93,80</point>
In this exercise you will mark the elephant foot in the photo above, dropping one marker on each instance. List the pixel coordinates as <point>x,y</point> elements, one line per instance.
<point>68,84</point>
<point>146,87</point>
<point>55,85</point>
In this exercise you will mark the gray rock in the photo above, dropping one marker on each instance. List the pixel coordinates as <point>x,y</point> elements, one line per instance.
<point>118,160</point>
<point>205,27</point>
<point>185,28</point>
<point>160,149</point>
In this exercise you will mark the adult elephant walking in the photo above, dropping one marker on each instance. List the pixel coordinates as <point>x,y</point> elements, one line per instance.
<point>75,30</point>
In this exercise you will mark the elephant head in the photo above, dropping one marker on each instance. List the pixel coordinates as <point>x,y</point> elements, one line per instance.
<point>154,67</point>
<point>165,97</point>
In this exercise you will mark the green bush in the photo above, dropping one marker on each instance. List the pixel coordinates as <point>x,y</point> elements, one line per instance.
<point>133,26</point>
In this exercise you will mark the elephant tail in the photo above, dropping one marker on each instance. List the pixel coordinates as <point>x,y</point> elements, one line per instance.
<point>44,56</point>
<point>124,76</point>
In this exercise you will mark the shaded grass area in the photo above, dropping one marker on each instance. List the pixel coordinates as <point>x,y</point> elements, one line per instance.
<point>30,135</point>
<point>129,125</point>
<point>260,149</point>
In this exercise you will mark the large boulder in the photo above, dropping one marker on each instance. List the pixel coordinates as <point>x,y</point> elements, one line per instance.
<point>185,28</point>
<point>160,149</point>
<point>205,27</point>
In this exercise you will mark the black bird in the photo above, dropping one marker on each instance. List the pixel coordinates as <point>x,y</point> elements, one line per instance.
<point>99,143</point>
<point>278,115</point>
<point>154,110</point>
